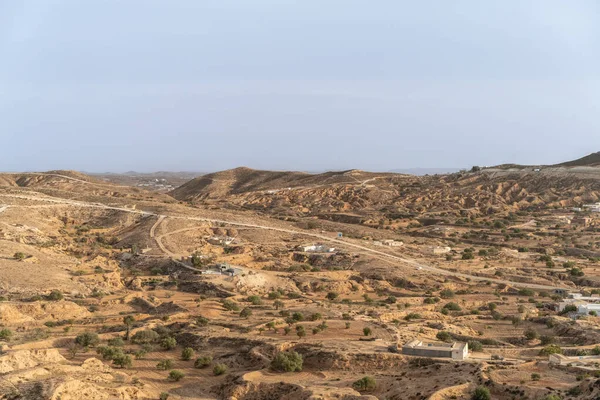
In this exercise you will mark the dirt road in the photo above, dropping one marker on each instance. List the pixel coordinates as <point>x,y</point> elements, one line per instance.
<point>346,243</point>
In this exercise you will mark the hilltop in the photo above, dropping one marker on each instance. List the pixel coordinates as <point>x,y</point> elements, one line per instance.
<point>72,183</point>
<point>591,160</point>
<point>246,180</point>
<point>369,198</point>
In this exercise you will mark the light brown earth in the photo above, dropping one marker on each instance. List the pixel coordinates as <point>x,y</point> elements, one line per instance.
<point>111,251</point>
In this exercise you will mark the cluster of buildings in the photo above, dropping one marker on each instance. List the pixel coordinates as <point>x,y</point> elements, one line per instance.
<point>584,304</point>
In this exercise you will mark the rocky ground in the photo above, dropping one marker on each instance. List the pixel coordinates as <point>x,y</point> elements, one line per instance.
<point>102,295</point>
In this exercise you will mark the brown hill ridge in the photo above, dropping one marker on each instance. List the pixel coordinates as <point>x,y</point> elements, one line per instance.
<point>591,160</point>
<point>245,180</point>
<point>363,196</point>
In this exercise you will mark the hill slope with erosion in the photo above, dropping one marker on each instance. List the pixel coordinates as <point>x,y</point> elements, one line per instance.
<point>360,196</point>
<point>72,184</point>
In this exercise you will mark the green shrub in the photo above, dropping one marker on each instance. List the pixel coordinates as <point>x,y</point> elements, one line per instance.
<point>447,294</point>
<point>5,334</point>
<point>526,292</point>
<point>568,308</point>
<point>55,295</point>
<point>475,345</point>
<point>576,272</point>
<point>550,349</point>
<point>145,337</point>
<point>315,317</point>
<point>274,295</point>
<point>530,334</point>
<point>297,316</point>
<point>412,316</point>
<point>255,300</point>
<point>332,296</point>
<point>203,362</point>
<point>481,393</point>
<point>187,354</point>
<point>122,360</point>
<point>168,343</point>
<point>165,364</point>
<point>176,376</point>
<point>140,354</point>
<point>116,342</point>
<point>246,313</point>
<point>552,397</point>
<point>109,352</point>
<point>287,362</point>
<point>219,369</point>
<point>365,384</point>
<point>230,305</point>
<point>443,336</point>
<point>452,306</point>
<point>367,331</point>
<point>87,339</point>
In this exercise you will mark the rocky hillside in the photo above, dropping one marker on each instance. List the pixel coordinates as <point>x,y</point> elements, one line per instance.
<point>72,184</point>
<point>358,197</point>
<point>246,180</point>
<point>591,160</point>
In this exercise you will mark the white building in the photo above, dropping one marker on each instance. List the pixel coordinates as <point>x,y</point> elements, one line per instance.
<point>220,241</point>
<point>592,207</point>
<point>317,248</point>
<point>584,304</point>
<point>440,250</point>
<point>392,243</point>
<point>455,351</point>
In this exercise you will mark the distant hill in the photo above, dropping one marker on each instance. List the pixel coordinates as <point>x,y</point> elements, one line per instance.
<point>425,171</point>
<point>243,180</point>
<point>591,160</point>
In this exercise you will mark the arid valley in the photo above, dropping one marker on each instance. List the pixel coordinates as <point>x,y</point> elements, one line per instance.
<point>248,285</point>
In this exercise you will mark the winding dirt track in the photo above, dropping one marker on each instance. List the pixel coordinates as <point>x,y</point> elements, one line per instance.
<point>345,243</point>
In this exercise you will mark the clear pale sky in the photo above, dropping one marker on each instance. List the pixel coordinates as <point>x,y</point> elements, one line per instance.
<point>204,85</point>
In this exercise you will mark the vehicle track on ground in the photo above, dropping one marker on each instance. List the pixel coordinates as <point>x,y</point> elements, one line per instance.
<point>345,243</point>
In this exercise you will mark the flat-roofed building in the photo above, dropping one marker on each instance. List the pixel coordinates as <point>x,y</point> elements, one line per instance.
<point>455,351</point>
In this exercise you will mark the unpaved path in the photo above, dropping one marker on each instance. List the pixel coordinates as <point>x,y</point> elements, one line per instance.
<point>346,243</point>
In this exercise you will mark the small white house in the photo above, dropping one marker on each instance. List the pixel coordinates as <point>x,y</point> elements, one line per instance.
<point>317,248</point>
<point>220,241</point>
<point>583,307</point>
<point>592,207</point>
<point>436,250</point>
<point>392,243</point>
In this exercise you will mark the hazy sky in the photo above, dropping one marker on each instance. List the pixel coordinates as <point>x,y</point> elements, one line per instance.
<point>203,85</point>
